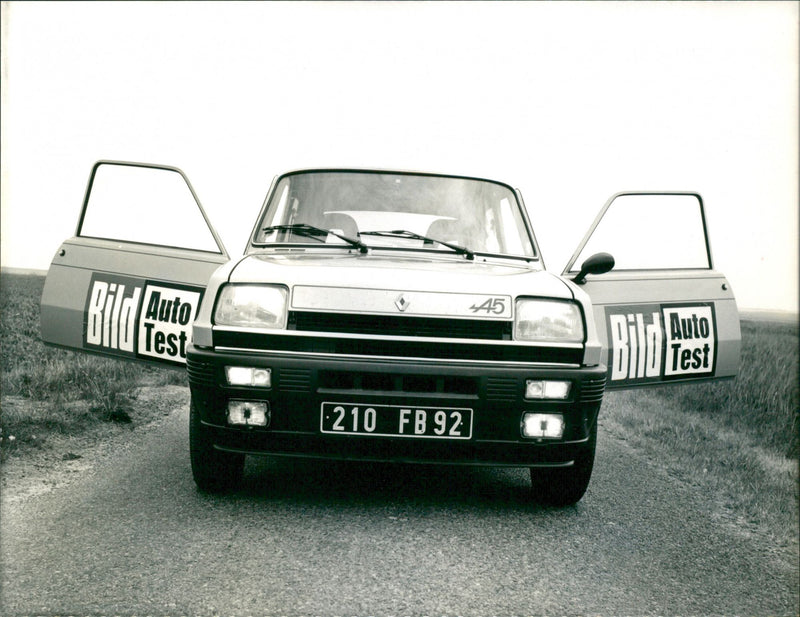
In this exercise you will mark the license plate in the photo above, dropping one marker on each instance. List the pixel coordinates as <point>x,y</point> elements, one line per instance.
<point>396,421</point>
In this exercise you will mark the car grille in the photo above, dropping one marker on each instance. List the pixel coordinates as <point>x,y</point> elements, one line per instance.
<point>201,374</point>
<point>391,383</point>
<point>501,390</point>
<point>592,390</point>
<point>388,347</point>
<point>294,380</point>
<point>483,329</point>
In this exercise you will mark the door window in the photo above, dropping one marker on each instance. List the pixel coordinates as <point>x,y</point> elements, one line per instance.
<point>147,205</point>
<point>650,232</point>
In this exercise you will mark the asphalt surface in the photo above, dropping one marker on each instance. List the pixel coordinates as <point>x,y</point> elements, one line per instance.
<point>132,536</point>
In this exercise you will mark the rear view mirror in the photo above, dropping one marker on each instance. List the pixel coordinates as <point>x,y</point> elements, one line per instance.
<point>599,263</point>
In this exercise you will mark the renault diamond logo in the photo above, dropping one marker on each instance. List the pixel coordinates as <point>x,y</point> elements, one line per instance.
<point>401,302</point>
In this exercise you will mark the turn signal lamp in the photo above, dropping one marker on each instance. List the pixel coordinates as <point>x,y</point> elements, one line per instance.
<point>541,389</point>
<point>248,376</point>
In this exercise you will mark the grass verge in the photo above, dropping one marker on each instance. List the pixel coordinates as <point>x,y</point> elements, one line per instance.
<point>47,391</point>
<point>737,439</point>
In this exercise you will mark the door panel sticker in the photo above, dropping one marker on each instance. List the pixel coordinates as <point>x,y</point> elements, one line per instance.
<point>660,342</point>
<point>138,318</point>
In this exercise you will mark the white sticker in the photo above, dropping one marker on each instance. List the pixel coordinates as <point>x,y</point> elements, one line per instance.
<point>690,340</point>
<point>166,320</point>
<point>659,342</point>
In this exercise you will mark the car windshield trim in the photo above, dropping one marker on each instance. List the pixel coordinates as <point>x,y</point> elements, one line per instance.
<point>391,172</point>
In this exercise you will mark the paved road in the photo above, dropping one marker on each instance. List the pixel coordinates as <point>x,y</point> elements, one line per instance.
<point>132,536</point>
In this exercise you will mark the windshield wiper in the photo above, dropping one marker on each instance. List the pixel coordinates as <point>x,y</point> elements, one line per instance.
<point>403,233</point>
<point>303,229</point>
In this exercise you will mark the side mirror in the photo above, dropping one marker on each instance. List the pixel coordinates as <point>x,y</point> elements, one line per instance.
<point>599,263</point>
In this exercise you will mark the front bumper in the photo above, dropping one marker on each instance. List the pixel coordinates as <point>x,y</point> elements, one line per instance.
<point>301,383</point>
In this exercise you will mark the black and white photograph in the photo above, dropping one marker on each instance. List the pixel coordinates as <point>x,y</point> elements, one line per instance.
<point>399,308</point>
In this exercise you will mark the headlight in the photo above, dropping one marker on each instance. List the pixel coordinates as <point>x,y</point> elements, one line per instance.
<point>548,320</point>
<point>251,306</point>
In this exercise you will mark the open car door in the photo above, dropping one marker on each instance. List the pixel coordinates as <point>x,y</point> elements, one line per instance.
<point>663,314</point>
<point>129,283</point>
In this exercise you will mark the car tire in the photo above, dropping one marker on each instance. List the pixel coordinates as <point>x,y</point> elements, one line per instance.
<point>565,486</point>
<point>214,471</point>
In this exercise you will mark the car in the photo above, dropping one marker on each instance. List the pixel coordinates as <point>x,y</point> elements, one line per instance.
<point>392,316</point>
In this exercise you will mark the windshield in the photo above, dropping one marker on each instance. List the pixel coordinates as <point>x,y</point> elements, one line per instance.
<point>410,211</point>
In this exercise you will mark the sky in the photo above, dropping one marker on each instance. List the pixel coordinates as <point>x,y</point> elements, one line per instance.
<point>569,102</point>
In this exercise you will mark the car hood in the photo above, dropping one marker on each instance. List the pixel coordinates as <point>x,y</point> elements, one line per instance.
<point>401,272</point>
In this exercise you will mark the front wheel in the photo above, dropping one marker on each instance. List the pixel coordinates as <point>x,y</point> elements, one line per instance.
<point>564,486</point>
<point>213,471</point>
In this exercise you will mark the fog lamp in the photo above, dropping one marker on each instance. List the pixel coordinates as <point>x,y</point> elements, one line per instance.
<point>540,388</point>
<point>547,425</point>
<point>248,376</point>
<point>248,413</point>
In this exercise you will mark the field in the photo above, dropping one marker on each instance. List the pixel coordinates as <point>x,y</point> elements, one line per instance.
<point>738,438</point>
